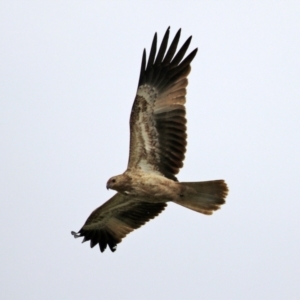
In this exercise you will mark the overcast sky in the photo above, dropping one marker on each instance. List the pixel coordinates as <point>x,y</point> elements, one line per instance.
<point>68,77</point>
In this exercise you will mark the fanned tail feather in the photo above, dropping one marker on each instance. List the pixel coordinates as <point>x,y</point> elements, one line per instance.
<point>204,197</point>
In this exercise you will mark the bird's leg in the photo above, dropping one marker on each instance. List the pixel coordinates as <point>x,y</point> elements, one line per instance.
<point>75,234</point>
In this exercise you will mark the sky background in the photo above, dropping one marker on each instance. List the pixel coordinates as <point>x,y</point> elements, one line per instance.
<point>68,77</point>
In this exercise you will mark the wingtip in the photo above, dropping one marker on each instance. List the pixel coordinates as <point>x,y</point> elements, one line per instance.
<point>195,51</point>
<point>190,38</point>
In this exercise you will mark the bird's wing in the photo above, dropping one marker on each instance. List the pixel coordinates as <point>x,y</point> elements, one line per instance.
<point>117,217</point>
<point>157,121</point>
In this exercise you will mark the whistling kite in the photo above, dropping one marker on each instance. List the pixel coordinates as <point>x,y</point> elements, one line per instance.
<point>157,148</point>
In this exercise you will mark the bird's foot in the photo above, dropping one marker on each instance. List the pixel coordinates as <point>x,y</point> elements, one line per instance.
<point>75,234</point>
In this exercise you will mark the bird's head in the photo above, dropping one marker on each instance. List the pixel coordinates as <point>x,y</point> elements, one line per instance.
<point>118,183</point>
<point>112,183</point>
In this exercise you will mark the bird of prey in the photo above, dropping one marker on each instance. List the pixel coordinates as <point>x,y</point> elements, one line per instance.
<point>157,150</point>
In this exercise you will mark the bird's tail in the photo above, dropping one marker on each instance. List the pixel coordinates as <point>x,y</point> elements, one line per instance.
<point>203,197</point>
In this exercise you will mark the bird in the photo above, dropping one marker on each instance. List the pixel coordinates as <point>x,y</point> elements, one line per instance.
<point>158,141</point>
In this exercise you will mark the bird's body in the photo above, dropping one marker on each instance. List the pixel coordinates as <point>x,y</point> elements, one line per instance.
<point>157,150</point>
<point>141,185</point>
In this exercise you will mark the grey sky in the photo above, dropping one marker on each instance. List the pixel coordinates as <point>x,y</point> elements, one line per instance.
<point>68,76</point>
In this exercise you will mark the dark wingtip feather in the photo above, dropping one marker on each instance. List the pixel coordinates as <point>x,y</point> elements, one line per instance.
<point>152,52</point>
<point>180,54</point>
<point>102,241</point>
<point>101,237</point>
<point>163,47</point>
<point>172,48</point>
<point>143,68</point>
<point>161,71</point>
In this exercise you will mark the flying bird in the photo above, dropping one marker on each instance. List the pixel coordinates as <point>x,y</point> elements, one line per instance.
<point>157,150</point>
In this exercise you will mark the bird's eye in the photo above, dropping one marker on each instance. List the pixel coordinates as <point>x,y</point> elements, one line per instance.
<point>113,180</point>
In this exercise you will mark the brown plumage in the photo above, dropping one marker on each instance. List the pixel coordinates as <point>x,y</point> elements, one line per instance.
<point>157,149</point>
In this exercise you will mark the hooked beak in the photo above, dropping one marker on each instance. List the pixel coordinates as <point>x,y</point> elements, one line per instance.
<point>107,186</point>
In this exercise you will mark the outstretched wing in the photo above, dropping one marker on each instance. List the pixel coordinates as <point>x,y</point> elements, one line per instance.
<point>117,217</point>
<point>157,121</point>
